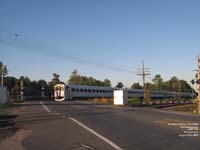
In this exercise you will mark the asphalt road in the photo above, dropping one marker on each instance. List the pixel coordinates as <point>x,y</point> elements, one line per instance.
<point>80,125</point>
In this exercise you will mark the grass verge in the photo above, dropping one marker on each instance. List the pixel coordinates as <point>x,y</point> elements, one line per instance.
<point>184,108</point>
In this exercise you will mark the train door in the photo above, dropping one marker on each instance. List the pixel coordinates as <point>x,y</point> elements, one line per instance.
<point>67,93</point>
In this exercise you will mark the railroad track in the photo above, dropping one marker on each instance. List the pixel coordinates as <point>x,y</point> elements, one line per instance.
<point>7,120</point>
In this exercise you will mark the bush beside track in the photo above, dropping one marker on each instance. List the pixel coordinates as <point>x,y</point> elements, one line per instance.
<point>102,101</point>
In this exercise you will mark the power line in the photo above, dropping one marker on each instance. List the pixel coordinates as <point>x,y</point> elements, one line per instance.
<point>12,39</point>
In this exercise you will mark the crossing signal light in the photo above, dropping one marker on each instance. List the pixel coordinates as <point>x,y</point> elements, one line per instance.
<point>198,81</point>
<point>192,81</point>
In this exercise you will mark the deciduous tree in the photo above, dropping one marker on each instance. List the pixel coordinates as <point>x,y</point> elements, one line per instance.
<point>136,86</point>
<point>119,85</point>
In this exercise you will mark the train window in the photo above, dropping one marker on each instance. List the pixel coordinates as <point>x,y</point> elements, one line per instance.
<point>100,91</point>
<point>89,90</point>
<point>81,90</point>
<point>104,91</point>
<point>77,90</point>
<point>85,90</point>
<point>57,88</point>
<point>97,91</point>
<point>73,90</point>
<point>93,91</point>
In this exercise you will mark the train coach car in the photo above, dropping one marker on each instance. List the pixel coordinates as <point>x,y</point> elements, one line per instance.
<point>136,93</point>
<point>68,92</point>
<point>179,94</point>
<point>140,93</point>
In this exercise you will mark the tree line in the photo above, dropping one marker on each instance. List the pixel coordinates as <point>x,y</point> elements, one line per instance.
<point>30,88</point>
<point>174,85</point>
<point>35,87</point>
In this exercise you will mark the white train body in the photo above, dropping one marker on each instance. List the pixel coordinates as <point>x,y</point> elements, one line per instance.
<point>68,92</point>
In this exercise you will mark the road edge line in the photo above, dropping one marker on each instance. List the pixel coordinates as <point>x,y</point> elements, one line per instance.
<point>96,134</point>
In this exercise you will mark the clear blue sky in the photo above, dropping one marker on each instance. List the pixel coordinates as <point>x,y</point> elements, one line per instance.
<point>120,33</point>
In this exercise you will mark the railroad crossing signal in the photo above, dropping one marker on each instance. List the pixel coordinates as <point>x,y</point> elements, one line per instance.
<point>195,81</point>
<point>198,83</point>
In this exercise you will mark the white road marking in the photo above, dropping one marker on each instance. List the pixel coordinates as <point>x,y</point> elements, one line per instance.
<point>87,146</point>
<point>58,114</point>
<point>97,134</point>
<point>45,107</point>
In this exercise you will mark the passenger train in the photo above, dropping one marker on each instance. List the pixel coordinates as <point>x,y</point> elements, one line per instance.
<point>68,92</point>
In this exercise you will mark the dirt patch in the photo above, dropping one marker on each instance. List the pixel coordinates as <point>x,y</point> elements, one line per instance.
<point>7,126</point>
<point>7,132</point>
<point>15,142</point>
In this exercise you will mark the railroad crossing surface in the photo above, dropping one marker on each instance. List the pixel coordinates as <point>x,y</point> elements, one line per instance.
<point>80,125</point>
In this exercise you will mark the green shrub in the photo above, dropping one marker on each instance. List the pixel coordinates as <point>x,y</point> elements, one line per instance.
<point>135,101</point>
<point>102,100</point>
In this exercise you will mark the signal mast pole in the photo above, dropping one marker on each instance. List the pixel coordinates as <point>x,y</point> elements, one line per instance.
<point>21,89</point>
<point>144,72</point>
<point>198,83</point>
<point>2,74</point>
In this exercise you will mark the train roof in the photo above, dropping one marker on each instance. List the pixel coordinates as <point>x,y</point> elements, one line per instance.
<point>87,86</point>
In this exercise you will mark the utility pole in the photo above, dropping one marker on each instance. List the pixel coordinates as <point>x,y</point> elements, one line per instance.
<point>144,72</point>
<point>174,91</point>
<point>179,89</point>
<point>192,94</point>
<point>2,74</point>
